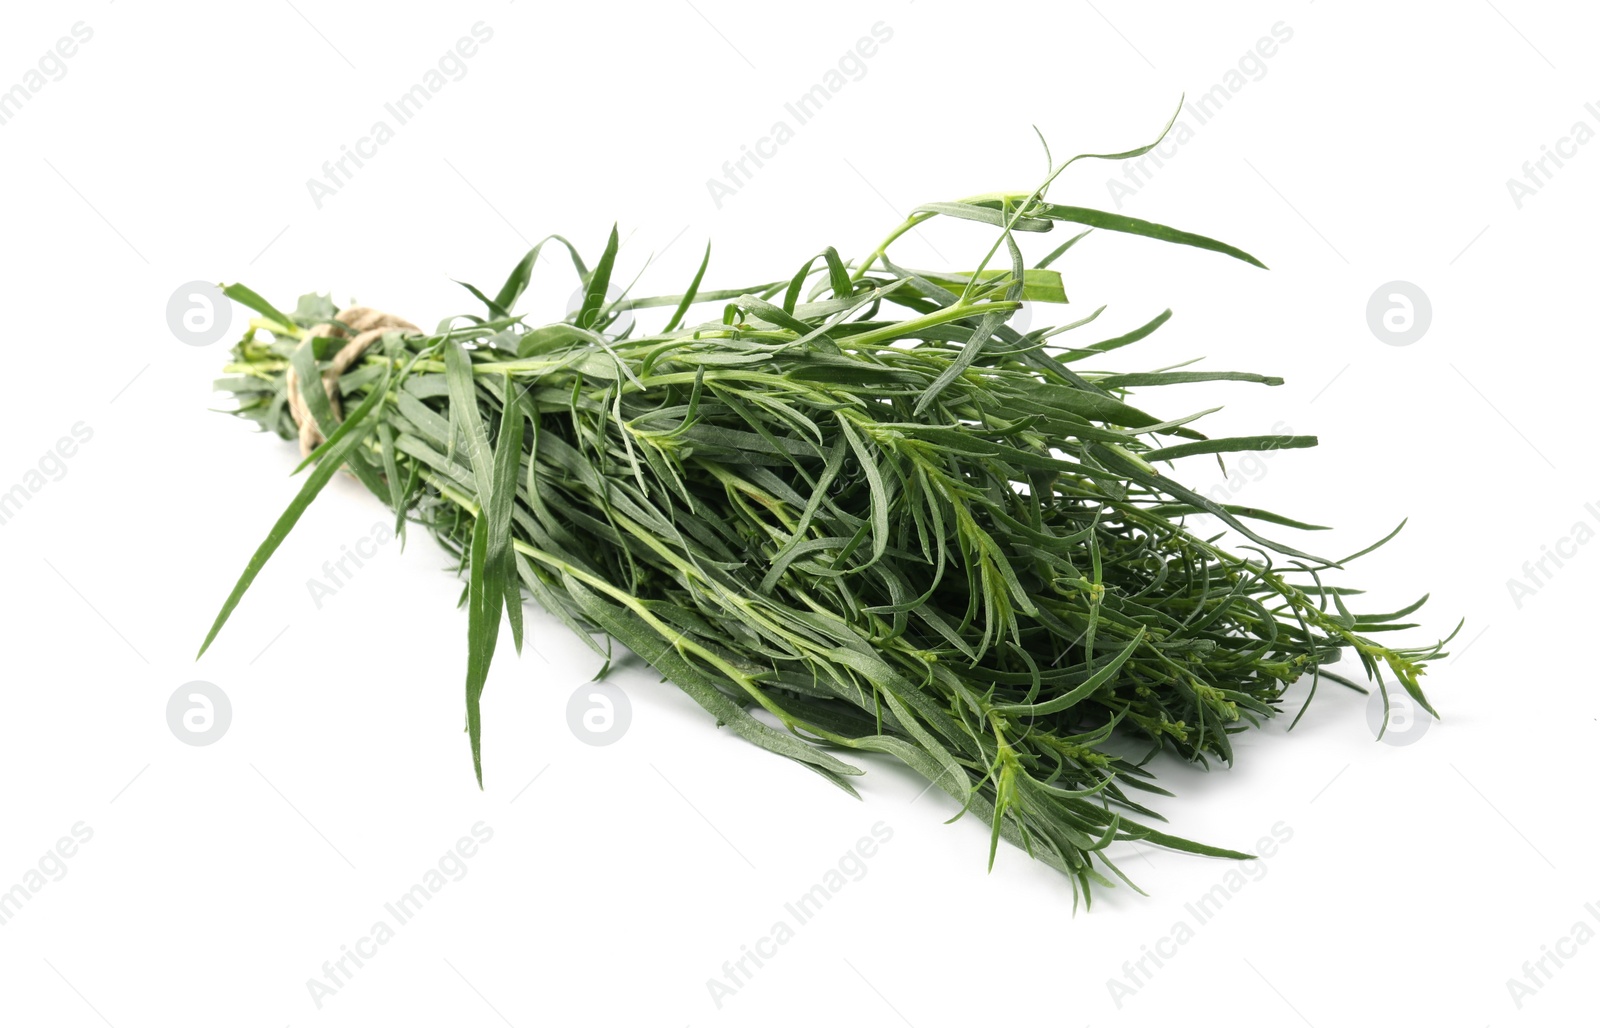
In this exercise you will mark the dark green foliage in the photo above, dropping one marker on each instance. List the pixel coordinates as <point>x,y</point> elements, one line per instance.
<point>861,503</point>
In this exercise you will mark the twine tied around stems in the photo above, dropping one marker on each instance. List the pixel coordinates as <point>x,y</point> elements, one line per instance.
<point>369,325</point>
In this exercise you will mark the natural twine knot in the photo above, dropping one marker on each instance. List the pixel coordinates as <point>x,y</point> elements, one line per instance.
<point>369,326</point>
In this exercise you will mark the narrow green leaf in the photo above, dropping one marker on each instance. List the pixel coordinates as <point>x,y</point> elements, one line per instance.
<point>465,417</point>
<point>499,509</point>
<point>1240,443</point>
<point>985,215</point>
<point>250,298</point>
<point>594,296</point>
<point>517,281</point>
<point>688,297</point>
<point>333,457</point>
<point>1120,341</point>
<point>1050,258</point>
<point>483,629</point>
<point>1135,226</point>
<point>1038,284</point>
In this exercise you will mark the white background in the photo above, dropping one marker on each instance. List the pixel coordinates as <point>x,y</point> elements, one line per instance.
<point>1376,147</point>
